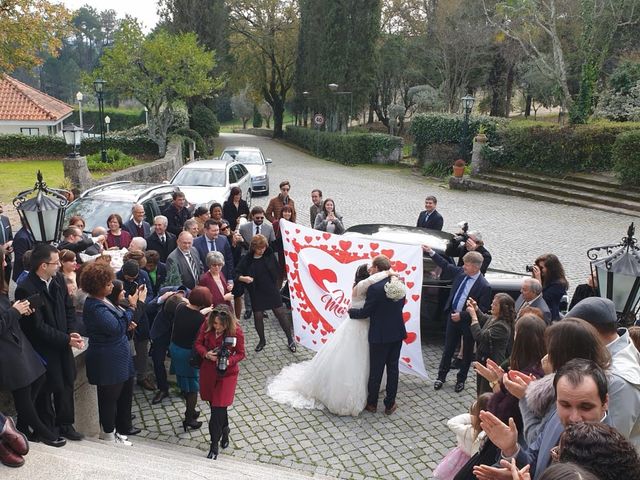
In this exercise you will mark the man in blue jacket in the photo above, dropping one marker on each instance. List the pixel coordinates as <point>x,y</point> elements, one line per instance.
<point>383,306</point>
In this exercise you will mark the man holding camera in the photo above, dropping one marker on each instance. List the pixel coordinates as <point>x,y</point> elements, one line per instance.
<point>51,331</point>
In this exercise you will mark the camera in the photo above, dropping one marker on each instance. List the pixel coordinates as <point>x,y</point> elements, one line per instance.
<point>224,353</point>
<point>133,288</point>
<point>463,236</point>
<point>528,268</point>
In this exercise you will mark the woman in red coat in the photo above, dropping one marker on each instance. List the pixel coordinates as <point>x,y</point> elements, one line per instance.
<point>220,333</point>
<point>215,281</point>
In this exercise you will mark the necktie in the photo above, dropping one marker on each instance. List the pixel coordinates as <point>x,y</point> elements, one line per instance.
<point>257,229</point>
<point>162,240</point>
<point>458,295</point>
<point>426,219</point>
<point>2,241</point>
<point>192,265</point>
<point>213,246</point>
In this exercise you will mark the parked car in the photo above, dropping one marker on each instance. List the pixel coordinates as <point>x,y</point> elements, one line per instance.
<point>256,163</point>
<point>209,181</point>
<point>97,203</point>
<point>435,289</point>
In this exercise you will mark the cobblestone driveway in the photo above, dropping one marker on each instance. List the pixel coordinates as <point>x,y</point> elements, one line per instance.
<point>411,442</point>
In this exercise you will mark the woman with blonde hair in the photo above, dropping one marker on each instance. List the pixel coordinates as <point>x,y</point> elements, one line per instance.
<point>220,343</point>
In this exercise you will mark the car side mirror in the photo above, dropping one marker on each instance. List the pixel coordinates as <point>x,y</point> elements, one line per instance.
<point>268,160</point>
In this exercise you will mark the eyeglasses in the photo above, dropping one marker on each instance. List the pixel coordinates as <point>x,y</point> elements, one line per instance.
<point>226,227</point>
<point>258,218</point>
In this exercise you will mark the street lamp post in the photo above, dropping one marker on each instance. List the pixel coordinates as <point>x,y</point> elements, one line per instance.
<point>467,105</point>
<point>42,215</point>
<point>618,275</point>
<point>79,99</point>
<point>98,86</point>
<point>146,116</point>
<point>334,89</point>
<point>107,121</point>
<point>73,138</point>
<point>305,96</point>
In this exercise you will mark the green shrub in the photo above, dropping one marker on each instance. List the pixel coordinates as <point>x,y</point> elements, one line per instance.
<point>351,149</point>
<point>121,119</point>
<point>257,118</point>
<point>437,169</point>
<point>554,149</point>
<point>204,121</point>
<point>201,146</point>
<point>45,146</point>
<point>430,128</point>
<point>116,160</point>
<point>626,157</point>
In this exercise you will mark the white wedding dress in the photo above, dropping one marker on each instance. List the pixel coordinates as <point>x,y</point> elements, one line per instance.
<point>336,377</point>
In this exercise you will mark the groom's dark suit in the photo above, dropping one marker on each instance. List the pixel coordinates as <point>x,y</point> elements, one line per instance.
<point>386,333</point>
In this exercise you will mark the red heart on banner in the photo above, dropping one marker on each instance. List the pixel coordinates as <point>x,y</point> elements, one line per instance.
<point>323,340</point>
<point>388,252</point>
<point>406,316</point>
<point>374,254</point>
<point>308,238</point>
<point>399,266</point>
<point>297,338</point>
<point>297,230</point>
<point>410,285</point>
<point>314,342</point>
<point>326,236</point>
<point>320,276</point>
<point>406,359</point>
<point>323,332</point>
<point>345,244</point>
<point>374,246</point>
<point>317,237</point>
<point>415,297</point>
<point>287,232</point>
<point>360,246</point>
<point>293,256</point>
<point>304,327</point>
<point>411,337</point>
<point>413,268</point>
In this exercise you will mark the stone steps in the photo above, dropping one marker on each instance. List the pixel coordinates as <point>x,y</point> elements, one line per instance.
<point>581,190</point>
<point>145,460</point>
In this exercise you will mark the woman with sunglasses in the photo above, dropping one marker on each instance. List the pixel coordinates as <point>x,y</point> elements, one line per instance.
<point>219,339</point>
<point>258,273</point>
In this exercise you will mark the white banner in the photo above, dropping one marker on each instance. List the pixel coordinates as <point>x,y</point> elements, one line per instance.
<point>321,268</point>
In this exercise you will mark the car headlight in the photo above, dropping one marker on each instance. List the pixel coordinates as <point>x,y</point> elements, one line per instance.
<point>259,178</point>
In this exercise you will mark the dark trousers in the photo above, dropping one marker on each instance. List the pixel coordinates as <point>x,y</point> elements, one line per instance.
<point>218,421</point>
<point>383,355</point>
<point>25,401</point>
<point>455,331</point>
<point>56,408</point>
<point>159,349</point>
<point>114,406</point>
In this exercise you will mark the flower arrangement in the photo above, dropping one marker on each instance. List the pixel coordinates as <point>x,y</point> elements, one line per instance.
<point>395,289</point>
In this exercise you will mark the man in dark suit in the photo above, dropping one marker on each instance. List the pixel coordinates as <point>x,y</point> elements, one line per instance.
<point>187,260</point>
<point>177,213</point>
<point>212,241</point>
<point>430,218</point>
<point>160,240</point>
<point>6,239</point>
<point>76,242</point>
<point>531,296</point>
<point>137,226</point>
<point>51,331</point>
<point>386,333</point>
<point>468,282</point>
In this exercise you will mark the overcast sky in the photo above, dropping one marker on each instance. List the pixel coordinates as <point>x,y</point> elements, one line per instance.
<point>143,10</point>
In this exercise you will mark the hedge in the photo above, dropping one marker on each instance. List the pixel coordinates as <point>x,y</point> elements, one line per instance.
<point>350,149</point>
<point>431,128</point>
<point>201,147</point>
<point>45,146</point>
<point>555,149</point>
<point>626,157</point>
<point>120,119</point>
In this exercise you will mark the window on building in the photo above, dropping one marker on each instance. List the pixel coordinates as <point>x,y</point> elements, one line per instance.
<point>30,131</point>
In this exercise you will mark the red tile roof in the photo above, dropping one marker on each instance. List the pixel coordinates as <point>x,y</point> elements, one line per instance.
<point>22,102</point>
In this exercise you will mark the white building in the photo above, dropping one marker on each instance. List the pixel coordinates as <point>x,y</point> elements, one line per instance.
<point>28,111</point>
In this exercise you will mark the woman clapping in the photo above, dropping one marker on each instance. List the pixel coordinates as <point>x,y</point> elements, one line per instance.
<point>220,342</point>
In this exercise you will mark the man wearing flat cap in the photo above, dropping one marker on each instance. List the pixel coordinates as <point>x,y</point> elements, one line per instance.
<point>624,374</point>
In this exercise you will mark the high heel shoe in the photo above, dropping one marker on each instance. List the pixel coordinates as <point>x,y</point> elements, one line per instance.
<point>213,452</point>
<point>192,424</point>
<point>260,345</point>
<point>224,441</point>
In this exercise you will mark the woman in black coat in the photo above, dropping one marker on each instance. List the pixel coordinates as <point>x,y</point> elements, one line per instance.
<point>258,273</point>
<point>550,272</point>
<point>234,207</point>
<point>21,369</point>
<point>109,359</point>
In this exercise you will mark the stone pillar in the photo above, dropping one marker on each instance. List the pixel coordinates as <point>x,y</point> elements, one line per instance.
<point>77,171</point>
<point>477,161</point>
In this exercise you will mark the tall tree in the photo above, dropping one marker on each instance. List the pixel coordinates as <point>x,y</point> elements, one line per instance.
<point>29,27</point>
<point>263,41</point>
<point>159,71</point>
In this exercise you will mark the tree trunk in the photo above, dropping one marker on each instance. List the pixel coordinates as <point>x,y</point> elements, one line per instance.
<point>527,106</point>
<point>278,118</point>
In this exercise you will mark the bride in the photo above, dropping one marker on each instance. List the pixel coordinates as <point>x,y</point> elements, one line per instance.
<point>336,377</point>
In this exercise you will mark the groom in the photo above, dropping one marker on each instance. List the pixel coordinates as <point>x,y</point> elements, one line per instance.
<point>386,333</point>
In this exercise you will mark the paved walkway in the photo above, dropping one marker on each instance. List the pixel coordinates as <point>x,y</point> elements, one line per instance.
<point>411,442</point>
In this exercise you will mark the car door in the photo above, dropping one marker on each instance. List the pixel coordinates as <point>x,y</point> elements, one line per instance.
<point>244,178</point>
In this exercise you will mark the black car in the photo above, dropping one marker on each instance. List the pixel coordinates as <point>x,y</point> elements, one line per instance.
<point>435,289</point>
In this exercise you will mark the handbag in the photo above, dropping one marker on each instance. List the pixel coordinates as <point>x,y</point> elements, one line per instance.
<point>451,464</point>
<point>195,360</point>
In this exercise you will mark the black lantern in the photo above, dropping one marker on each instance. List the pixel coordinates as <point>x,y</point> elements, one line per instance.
<point>73,138</point>
<point>467,105</point>
<point>618,275</point>
<point>98,86</point>
<point>42,215</point>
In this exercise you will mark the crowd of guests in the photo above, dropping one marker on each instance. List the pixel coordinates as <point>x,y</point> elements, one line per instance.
<point>137,290</point>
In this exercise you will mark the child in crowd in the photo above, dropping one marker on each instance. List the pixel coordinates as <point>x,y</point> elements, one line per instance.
<point>469,436</point>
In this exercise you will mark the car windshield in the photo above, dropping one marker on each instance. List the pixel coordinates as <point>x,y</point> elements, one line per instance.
<point>95,211</point>
<point>199,177</point>
<point>246,157</point>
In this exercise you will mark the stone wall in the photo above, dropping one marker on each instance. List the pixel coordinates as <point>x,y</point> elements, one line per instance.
<point>440,153</point>
<point>394,156</point>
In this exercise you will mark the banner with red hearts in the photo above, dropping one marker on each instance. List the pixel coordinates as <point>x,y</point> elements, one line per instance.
<point>321,268</point>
